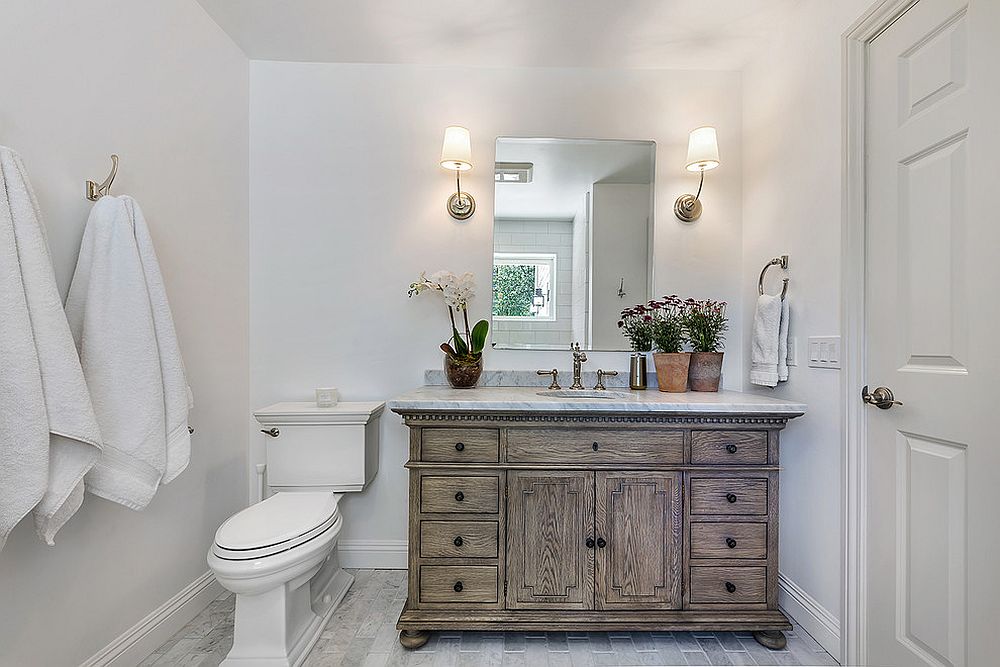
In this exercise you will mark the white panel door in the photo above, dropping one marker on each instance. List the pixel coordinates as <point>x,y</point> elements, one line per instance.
<point>933,336</point>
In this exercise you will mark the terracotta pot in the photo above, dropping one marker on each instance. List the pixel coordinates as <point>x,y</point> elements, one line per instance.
<point>672,370</point>
<point>706,370</point>
<point>463,373</point>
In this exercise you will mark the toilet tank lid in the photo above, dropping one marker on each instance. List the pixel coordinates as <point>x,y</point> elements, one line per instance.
<point>283,517</point>
<point>306,412</point>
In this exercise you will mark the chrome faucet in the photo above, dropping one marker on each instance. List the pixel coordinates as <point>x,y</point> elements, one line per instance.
<point>578,359</point>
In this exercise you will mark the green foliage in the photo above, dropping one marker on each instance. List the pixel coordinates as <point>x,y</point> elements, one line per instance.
<point>461,348</point>
<point>706,325</point>
<point>513,290</point>
<point>668,333</point>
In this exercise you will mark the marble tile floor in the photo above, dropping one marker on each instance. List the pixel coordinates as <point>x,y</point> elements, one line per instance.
<point>362,633</point>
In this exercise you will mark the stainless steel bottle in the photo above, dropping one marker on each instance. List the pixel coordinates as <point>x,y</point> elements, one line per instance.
<point>637,371</point>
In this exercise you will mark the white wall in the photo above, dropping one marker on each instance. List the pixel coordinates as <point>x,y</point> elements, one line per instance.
<point>792,124</point>
<point>160,84</point>
<point>348,206</point>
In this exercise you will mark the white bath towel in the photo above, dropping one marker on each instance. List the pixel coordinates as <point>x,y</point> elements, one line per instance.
<point>118,311</point>
<point>49,436</point>
<point>770,336</point>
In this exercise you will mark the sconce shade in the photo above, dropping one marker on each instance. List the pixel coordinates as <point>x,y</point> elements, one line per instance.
<point>703,149</point>
<point>456,151</point>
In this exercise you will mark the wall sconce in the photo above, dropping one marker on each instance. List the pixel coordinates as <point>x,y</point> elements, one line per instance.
<point>703,154</point>
<point>456,153</point>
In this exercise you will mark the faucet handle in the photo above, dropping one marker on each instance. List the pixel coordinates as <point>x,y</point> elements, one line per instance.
<point>555,378</point>
<point>601,374</point>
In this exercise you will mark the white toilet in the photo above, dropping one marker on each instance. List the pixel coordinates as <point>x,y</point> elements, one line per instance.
<point>280,555</point>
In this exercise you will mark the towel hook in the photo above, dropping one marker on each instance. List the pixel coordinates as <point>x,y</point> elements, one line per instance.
<point>777,261</point>
<point>95,191</point>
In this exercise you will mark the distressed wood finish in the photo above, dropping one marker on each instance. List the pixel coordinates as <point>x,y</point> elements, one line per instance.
<point>733,495</point>
<point>729,585</point>
<point>596,445</point>
<point>459,493</point>
<point>534,490</point>
<point>459,539</point>
<point>729,447</point>
<point>640,518</point>
<point>728,539</point>
<point>549,519</point>
<point>458,584</point>
<point>460,445</point>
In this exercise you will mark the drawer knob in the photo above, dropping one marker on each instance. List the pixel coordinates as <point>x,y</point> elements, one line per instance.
<point>460,446</point>
<point>590,542</point>
<point>731,497</point>
<point>731,543</point>
<point>461,496</point>
<point>273,432</point>
<point>595,446</point>
<point>458,541</point>
<point>731,448</point>
<point>601,543</point>
<point>730,586</point>
<point>458,586</point>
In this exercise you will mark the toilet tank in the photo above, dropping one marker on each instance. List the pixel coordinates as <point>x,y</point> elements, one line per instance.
<point>309,447</point>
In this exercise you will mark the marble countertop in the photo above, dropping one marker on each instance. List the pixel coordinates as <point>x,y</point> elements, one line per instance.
<point>516,399</point>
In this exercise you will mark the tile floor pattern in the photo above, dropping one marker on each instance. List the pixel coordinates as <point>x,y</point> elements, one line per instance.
<point>362,633</point>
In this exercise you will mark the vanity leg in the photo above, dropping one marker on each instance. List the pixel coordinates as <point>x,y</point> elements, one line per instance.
<point>772,639</point>
<point>412,639</point>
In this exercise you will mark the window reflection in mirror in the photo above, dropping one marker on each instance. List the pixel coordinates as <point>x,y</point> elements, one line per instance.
<point>572,240</point>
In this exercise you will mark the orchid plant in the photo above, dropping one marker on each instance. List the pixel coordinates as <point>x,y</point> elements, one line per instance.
<point>458,291</point>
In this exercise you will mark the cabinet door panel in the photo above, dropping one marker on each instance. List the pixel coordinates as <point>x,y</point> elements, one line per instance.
<point>550,516</point>
<point>639,519</point>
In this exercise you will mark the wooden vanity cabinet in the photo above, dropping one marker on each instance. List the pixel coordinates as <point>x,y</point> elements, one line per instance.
<point>592,522</point>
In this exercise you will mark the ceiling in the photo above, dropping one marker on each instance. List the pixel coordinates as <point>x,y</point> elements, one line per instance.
<point>564,170</point>
<point>642,34</point>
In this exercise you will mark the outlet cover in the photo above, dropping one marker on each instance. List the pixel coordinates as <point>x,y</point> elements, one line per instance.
<point>824,351</point>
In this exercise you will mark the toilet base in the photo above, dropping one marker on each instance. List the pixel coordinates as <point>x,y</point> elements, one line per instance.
<point>279,627</point>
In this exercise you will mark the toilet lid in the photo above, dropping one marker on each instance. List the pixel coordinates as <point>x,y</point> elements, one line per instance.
<point>276,524</point>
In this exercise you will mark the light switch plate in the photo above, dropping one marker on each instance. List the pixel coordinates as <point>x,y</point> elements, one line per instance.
<point>824,351</point>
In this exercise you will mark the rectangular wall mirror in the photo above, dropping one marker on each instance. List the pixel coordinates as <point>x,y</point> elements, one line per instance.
<point>572,240</point>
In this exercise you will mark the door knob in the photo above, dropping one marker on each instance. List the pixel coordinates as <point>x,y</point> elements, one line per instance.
<point>601,543</point>
<point>590,543</point>
<point>881,398</point>
<point>273,432</point>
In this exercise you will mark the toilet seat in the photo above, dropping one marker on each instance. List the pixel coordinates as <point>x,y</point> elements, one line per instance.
<point>283,522</point>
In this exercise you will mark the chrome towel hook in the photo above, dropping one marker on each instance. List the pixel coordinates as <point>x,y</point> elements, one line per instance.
<point>777,261</point>
<point>95,191</point>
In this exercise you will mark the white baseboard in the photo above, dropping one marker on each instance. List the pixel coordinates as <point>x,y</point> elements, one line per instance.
<point>811,615</point>
<point>385,554</point>
<point>133,645</point>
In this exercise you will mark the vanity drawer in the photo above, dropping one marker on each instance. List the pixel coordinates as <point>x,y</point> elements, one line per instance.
<point>729,585</point>
<point>462,494</point>
<point>728,495</point>
<point>458,583</point>
<point>459,539</point>
<point>728,540</point>
<point>460,445</point>
<point>729,447</point>
<point>595,445</point>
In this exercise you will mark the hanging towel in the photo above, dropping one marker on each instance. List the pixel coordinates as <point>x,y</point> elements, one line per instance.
<point>49,436</point>
<point>118,312</point>
<point>767,332</point>
<point>783,343</point>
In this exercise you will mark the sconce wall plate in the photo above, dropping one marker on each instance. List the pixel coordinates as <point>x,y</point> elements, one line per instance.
<point>461,205</point>
<point>687,208</point>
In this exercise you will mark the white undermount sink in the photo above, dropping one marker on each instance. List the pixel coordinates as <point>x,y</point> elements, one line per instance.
<point>587,393</point>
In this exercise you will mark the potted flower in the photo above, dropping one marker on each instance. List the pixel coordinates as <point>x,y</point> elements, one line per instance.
<point>463,352</point>
<point>636,324</point>
<point>668,340</point>
<point>706,324</point>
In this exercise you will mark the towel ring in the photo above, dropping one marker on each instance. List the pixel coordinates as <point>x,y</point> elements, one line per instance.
<point>777,261</point>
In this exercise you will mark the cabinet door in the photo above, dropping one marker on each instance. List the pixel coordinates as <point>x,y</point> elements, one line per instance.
<point>639,522</point>
<point>550,516</point>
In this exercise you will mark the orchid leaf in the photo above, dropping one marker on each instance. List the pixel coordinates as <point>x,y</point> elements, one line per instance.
<point>479,333</point>
<point>461,348</point>
<point>448,349</point>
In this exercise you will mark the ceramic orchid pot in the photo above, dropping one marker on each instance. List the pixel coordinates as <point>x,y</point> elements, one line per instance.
<point>705,371</point>
<point>672,370</point>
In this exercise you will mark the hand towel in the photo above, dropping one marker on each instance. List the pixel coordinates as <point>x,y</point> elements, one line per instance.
<point>49,436</point>
<point>764,346</point>
<point>119,315</point>
<point>783,342</point>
